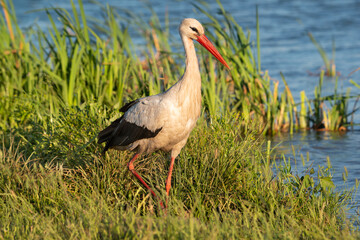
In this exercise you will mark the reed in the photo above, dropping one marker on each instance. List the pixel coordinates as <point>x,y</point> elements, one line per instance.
<point>77,61</point>
<point>256,95</point>
<point>330,67</point>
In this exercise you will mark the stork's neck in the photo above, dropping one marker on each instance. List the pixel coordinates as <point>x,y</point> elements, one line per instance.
<point>192,72</point>
<point>189,86</point>
<point>186,93</point>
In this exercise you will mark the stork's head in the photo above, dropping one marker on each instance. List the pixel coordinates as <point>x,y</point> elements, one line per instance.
<point>193,29</point>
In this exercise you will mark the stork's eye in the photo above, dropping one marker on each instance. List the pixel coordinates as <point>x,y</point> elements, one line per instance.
<point>195,30</point>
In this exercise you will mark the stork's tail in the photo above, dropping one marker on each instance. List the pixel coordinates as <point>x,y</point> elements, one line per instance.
<point>107,134</point>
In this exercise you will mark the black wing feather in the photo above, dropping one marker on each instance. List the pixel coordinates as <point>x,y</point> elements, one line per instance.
<point>122,133</point>
<point>129,105</point>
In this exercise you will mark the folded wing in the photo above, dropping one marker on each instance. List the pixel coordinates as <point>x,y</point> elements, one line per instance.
<point>141,119</point>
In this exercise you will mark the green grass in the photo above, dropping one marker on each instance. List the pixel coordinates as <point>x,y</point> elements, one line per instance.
<point>330,67</point>
<point>80,60</point>
<point>55,184</point>
<point>58,88</point>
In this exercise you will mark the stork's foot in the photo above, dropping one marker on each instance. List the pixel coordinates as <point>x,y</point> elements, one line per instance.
<point>132,169</point>
<point>168,180</point>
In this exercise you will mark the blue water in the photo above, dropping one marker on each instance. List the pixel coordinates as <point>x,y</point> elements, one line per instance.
<point>285,47</point>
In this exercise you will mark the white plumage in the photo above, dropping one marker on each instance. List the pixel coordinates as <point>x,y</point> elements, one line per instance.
<point>163,121</point>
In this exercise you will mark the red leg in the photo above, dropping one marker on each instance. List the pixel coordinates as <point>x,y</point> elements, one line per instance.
<point>131,168</point>
<point>168,180</point>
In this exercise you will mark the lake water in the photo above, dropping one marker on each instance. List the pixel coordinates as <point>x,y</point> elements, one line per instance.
<point>285,47</point>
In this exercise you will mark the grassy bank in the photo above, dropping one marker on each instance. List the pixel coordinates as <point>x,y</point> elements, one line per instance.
<point>58,88</point>
<point>55,184</point>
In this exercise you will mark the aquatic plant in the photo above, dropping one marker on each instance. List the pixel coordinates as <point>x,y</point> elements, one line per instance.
<point>330,67</point>
<point>77,61</point>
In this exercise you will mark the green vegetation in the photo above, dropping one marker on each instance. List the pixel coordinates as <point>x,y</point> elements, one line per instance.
<point>59,87</point>
<point>73,63</point>
<point>330,67</point>
<point>55,184</point>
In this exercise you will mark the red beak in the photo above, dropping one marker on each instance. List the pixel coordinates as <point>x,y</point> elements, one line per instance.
<point>205,42</point>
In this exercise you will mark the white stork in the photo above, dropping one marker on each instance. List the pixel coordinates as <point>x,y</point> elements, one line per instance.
<point>163,121</point>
